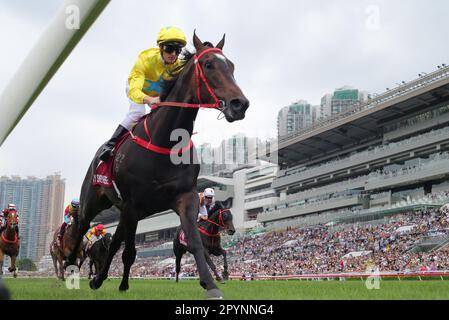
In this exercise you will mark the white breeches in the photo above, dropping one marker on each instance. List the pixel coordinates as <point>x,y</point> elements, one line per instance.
<point>135,112</point>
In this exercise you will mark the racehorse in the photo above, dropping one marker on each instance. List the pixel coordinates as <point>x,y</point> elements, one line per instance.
<point>9,243</point>
<point>60,252</point>
<point>219,217</point>
<point>98,253</point>
<point>160,173</point>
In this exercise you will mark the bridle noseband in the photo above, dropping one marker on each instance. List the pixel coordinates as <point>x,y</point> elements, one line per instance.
<point>220,224</point>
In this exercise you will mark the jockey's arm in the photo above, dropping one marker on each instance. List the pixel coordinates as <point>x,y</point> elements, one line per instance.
<point>136,81</point>
<point>202,215</point>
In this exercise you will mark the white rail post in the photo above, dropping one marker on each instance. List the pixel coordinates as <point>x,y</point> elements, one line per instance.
<point>56,43</point>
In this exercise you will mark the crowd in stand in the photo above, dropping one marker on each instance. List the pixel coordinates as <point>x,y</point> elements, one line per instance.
<point>383,244</point>
<point>324,249</point>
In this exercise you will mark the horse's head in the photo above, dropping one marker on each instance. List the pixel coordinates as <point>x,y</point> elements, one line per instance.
<point>12,219</point>
<point>225,220</point>
<point>107,239</point>
<point>219,72</point>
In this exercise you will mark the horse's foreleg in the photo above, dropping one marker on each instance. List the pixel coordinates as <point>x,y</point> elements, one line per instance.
<point>225,265</point>
<point>102,274</point>
<point>12,268</point>
<point>61,268</point>
<point>212,265</point>
<point>179,255</point>
<point>91,263</point>
<point>187,209</point>
<point>55,264</point>
<point>129,254</point>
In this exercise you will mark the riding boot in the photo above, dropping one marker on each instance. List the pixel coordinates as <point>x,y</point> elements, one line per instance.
<point>106,153</point>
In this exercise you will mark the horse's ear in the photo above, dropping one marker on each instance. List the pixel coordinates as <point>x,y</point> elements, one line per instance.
<point>228,202</point>
<point>197,42</point>
<point>222,42</point>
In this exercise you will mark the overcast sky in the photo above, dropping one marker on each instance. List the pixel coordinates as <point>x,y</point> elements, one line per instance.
<point>283,51</point>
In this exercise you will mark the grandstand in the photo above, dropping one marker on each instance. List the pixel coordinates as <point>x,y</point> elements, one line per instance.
<point>387,155</point>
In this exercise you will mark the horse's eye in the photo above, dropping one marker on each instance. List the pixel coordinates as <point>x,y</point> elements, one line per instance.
<point>208,65</point>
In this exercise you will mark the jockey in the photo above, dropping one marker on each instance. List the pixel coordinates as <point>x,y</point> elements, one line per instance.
<point>2,220</point>
<point>70,211</point>
<point>4,214</point>
<point>206,201</point>
<point>144,82</point>
<point>95,234</point>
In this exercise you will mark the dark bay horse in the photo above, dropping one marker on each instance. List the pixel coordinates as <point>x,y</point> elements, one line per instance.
<point>151,181</point>
<point>9,243</point>
<point>59,254</point>
<point>219,217</point>
<point>98,253</point>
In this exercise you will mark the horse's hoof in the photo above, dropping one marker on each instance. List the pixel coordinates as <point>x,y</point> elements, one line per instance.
<point>214,294</point>
<point>94,285</point>
<point>123,287</point>
<point>219,279</point>
<point>15,275</point>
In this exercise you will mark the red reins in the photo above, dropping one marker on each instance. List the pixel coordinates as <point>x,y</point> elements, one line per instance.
<point>220,224</point>
<point>200,78</point>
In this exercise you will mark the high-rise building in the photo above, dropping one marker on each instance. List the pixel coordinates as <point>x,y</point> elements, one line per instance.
<point>40,204</point>
<point>326,106</point>
<point>294,117</point>
<point>232,153</point>
<point>345,98</point>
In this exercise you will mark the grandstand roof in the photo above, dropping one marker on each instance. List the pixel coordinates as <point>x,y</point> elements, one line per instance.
<point>206,181</point>
<point>364,123</point>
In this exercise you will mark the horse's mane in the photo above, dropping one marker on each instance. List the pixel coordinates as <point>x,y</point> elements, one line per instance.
<point>167,85</point>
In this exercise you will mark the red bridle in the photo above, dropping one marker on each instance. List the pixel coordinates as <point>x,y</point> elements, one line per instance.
<point>200,78</point>
<point>8,222</point>
<point>220,224</point>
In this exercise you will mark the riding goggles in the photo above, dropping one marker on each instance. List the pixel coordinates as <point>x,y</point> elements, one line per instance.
<point>168,48</point>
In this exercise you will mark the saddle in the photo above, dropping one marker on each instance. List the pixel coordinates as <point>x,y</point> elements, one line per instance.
<point>103,173</point>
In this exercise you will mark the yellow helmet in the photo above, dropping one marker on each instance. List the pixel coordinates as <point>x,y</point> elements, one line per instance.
<point>171,34</point>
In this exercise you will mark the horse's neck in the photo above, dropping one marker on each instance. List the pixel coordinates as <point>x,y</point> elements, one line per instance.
<point>211,227</point>
<point>10,232</point>
<point>167,119</point>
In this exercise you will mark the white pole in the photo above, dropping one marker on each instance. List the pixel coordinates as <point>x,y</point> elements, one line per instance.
<point>56,43</point>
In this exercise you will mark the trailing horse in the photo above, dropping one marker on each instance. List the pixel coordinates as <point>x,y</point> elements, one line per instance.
<point>9,243</point>
<point>219,217</point>
<point>154,170</point>
<point>98,253</point>
<point>59,252</point>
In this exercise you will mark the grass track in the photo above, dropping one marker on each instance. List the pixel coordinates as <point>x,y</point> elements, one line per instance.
<point>44,289</point>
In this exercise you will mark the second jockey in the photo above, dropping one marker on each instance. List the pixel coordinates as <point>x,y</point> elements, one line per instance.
<point>4,215</point>
<point>206,202</point>
<point>70,211</point>
<point>95,234</point>
<point>144,82</point>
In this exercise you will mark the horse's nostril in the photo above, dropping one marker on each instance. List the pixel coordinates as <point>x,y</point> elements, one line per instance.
<point>237,104</point>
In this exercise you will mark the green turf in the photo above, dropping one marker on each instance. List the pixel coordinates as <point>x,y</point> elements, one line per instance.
<point>24,289</point>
